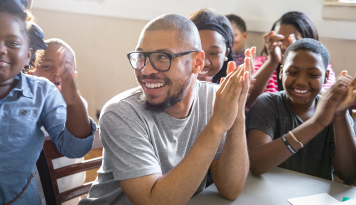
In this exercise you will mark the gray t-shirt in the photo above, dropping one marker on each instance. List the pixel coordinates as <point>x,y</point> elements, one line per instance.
<point>273,115</point>
<point>138,142</point>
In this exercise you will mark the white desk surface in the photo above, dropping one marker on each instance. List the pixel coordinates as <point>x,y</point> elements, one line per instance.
<point>275,188</point>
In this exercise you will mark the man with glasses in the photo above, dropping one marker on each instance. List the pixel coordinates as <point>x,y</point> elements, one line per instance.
<point>161,138</point>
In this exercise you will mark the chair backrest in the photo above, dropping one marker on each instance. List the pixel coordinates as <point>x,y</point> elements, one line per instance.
<point>49,175</point>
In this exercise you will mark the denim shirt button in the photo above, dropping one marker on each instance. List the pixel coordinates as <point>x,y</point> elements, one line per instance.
<point>24,112</point>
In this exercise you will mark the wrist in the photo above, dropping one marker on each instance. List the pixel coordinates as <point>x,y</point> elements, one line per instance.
<point>340,114</point>
<point>215,127</point>
<point>272,61</point>
<point>317,123</point>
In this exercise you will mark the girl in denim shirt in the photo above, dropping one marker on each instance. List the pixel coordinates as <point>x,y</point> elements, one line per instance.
<point>27,103</point>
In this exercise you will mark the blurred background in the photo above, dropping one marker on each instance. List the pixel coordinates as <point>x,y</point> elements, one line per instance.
<point>101,32</point>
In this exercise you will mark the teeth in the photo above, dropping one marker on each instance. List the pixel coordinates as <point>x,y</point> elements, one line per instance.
<point>154,85</point>
<point>203,72</point>
<point>300,91</point>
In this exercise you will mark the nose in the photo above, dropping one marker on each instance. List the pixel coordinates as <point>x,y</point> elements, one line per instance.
<point>301,80</point>
<point>3,49</point>
<point>206,61</point>
<point>56,72</point>
<point>148,69</point>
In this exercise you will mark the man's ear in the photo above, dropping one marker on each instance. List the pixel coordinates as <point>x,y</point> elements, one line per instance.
<point>326,76</point>
<point>281,72</point>
<point>199,62</point>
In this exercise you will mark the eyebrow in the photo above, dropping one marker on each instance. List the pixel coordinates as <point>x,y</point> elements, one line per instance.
<point>159,50</point>
<point>308,68</point>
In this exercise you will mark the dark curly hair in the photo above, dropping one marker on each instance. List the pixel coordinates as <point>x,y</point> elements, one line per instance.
<point>311,45</point>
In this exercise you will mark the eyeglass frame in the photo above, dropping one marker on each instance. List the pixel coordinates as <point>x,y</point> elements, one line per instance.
<point>148,54</point>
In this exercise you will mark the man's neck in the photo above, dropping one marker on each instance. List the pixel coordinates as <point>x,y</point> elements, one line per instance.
<point>182,109</point>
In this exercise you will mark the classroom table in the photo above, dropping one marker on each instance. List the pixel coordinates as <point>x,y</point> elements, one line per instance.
<point>275,188</point>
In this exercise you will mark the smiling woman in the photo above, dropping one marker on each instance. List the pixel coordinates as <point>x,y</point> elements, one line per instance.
<point>216,36</point>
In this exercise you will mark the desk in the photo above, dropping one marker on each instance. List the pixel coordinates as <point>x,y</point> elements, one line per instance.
<point>275,188</point>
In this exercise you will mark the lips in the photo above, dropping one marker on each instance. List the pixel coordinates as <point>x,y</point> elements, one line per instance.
<point>204,72</point>
<point>3,63</point>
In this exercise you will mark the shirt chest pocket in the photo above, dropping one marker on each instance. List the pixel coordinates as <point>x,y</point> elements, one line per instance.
<point>23,121</point>
<point>24,113</point>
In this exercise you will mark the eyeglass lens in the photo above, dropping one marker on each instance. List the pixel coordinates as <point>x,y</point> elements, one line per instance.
<point>160,61</point>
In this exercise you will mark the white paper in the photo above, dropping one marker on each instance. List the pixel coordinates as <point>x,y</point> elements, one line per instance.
<point>318,199</point>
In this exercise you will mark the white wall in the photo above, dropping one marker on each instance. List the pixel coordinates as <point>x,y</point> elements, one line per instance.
<point>259,14</point>
<point>102,41</point>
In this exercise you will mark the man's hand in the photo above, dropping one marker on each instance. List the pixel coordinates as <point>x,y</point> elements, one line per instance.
<point>68,88</point>
<point>227,98</point>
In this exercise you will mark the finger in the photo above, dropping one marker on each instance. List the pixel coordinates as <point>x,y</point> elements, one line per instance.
<point>267,35</point>
<point>253,51</point>
<point>292,38</point>
<point>276,38</point>
<point>230,66</point>
<point>247,53</point>
<point>245,83</point>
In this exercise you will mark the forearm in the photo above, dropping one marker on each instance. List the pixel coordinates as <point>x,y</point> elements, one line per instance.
<point>269,155</point>
<point>78,123</point>
<point>262,77</point>
<point>345,149</point>
<point>229,175</point>
<point>179,184</point>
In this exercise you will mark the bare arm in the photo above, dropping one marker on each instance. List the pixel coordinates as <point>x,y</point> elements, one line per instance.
<point>263,74</point>
<point>345,146</point>
<point>180,183</point>
<point>230,171</point>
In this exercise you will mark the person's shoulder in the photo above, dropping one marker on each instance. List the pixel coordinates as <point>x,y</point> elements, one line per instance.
<point>271,97</point>
<point>36,85</point>
<point>131,97</point>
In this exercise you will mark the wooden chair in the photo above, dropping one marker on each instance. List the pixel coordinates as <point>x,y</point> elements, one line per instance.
<point>49,175</point>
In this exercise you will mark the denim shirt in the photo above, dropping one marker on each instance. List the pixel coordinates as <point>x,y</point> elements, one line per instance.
<point>33,103</point>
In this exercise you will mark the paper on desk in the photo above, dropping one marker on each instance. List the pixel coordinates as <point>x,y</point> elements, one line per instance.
<point>318,199</point>
<point>348,202</point>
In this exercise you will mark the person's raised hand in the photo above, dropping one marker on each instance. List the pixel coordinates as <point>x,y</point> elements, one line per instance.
<point>273,43</point>
<point>329,102</point>
<point>350,98</point>
<point>68,88</point>
<point>227,98</point>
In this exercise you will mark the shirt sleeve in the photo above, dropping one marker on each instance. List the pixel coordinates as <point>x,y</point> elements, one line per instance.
<point>53,118</point>
<point>263,115</point>
<point>128,146</point>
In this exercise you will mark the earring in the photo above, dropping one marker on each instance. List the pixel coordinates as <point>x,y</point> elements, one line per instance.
<point>226,59</point>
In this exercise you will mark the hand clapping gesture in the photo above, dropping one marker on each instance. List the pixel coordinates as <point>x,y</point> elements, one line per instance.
<point>350,86</point>
<point>274,45</point>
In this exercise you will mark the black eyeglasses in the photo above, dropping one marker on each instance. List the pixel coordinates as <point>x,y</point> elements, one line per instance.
<point>159,61</point>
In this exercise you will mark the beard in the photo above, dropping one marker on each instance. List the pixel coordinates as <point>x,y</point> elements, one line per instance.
<point>172,98</point>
